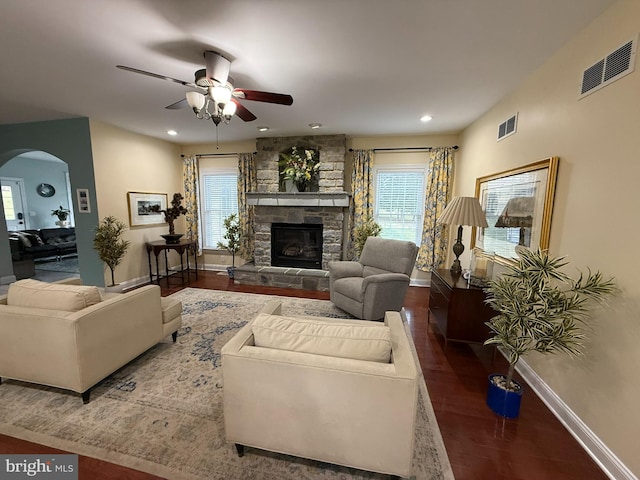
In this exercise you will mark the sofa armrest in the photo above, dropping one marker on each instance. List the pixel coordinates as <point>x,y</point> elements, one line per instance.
<point>345,268</point>
<point>115,331</point>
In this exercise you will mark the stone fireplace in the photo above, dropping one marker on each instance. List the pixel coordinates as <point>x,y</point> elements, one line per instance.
<point>325,209</point>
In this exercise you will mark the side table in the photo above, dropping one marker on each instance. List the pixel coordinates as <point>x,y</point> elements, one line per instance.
<point>184,246</point>
<point>458,308</point>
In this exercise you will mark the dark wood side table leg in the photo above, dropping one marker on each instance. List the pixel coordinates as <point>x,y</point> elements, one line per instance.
<point>195,258</point>
<point>150,271</point>
<point>187,251</point>
<point>182,267</point>
<point>157,270</point>
<point>166,266</point>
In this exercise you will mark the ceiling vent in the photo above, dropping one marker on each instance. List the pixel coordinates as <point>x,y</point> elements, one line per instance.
<point>614,66</point>
<point>508,127</point>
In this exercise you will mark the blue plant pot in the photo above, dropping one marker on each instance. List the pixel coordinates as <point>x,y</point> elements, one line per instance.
<point>503,402</point>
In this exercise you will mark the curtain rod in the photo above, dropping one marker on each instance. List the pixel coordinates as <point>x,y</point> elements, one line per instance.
<point>217,154</point>
<point>455,147</point>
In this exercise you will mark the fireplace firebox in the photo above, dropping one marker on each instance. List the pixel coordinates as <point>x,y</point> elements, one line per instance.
<point>296,245</point>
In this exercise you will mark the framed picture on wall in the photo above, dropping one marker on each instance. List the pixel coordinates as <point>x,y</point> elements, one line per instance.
<point>518,204</point>
<point>142,206</point>
<point>84,205</point>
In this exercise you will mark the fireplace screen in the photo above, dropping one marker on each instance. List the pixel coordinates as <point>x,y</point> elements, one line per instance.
<point>296,245</point>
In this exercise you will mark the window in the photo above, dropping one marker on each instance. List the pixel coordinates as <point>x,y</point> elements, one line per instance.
<point>219,200</point>
<point>399,202</point>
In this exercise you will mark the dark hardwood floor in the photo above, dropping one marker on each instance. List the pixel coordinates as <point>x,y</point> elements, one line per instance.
<point>480,444</point>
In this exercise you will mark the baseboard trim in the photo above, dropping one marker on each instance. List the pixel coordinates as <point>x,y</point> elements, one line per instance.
<point>7,280</point>
<point>610,464</point>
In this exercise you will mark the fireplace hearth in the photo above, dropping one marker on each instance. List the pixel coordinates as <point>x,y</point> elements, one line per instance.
<point>296,245</point>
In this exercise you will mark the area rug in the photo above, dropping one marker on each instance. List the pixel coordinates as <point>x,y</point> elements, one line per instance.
<point>162,413</point>
<point>67,265</point>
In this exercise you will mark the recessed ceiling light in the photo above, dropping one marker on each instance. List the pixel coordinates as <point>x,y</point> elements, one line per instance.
<point>426,118</point>
<point>263,129</point>
<point>315,125</point>
<point>173,133</point>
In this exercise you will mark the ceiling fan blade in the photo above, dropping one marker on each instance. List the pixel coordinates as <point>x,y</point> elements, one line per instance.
<point>268,97</point>
<point>242,112</point>
<point>155,75</point>
<point>217,66</point>
<point>178,105</point>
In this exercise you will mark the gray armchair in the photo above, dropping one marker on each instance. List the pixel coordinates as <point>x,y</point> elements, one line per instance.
<point>377,282</point>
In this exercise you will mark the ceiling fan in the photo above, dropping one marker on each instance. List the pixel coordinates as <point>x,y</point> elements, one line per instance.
<point>217,99</point>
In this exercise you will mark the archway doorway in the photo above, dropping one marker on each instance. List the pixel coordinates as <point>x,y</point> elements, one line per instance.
<point>43,246</point>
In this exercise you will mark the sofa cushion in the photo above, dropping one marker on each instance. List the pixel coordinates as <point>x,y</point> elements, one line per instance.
<point>53,296</point>
<point>334,339</point>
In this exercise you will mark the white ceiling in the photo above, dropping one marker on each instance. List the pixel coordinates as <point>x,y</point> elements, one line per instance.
<point>358,67</point>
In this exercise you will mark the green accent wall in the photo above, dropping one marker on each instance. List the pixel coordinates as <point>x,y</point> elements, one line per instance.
<point>70,141</point>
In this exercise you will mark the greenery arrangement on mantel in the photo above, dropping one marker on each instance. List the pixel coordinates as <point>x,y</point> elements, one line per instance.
<point>540,308</point>
<point>301,166</point>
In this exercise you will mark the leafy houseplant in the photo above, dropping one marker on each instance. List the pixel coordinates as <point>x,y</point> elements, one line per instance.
<point>109,244</point>
<point>170,214</point>
<point>61,212</point>
<point>232,236</point>
<point>301,167</point>
<point>369,228</point>
<point>542,309</point>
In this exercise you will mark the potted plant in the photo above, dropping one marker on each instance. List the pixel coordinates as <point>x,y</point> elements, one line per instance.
<point>62,214</point>
<point>109,244</point>
<point>369,228</point>
<point>301,167</point>
<point>170,214</point>
<point>542,309</point>
<point>232,235</point>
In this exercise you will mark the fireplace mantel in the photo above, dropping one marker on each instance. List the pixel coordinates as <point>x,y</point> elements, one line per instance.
<point>299,199</point>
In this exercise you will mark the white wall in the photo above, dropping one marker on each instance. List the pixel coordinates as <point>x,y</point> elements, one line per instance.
<point>595,220</point>
<point>128,162</point>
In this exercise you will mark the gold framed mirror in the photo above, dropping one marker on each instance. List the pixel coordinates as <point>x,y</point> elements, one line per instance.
<point>518,204</point>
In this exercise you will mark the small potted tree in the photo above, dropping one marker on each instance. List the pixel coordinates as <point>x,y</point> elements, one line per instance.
<point>170,214</point>
<point>109,244</point>
<point>542,309</point>
<point>232,237</point>
<point>369,228</point>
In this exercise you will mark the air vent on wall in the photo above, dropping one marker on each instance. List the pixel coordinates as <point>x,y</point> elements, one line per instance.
<point>614,66</point>
<point>508,127</point>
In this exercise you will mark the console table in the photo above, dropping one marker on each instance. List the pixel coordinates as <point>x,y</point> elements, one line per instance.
<point>458,308</point>
<point>183,247</point>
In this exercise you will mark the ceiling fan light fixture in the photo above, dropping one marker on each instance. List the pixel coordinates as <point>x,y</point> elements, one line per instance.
<point>426,118</point>
<point>173,133</point>
<point>315,126</point>
<point>229,109</point>
<point>262,129</point>
<point>221,95</point>
<point>195,100</point>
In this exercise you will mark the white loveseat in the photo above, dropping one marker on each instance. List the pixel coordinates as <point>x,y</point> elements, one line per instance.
<point>324,405</point>
<point>73,336</point>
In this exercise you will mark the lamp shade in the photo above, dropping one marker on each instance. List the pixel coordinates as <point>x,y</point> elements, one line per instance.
<point>463,211</point>
<point>195,100</point>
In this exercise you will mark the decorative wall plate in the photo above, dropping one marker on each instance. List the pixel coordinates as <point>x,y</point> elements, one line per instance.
<point>46,190</point>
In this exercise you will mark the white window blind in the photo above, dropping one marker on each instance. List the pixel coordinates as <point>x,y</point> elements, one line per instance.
<point>219,200</point>
<point>399,202</point>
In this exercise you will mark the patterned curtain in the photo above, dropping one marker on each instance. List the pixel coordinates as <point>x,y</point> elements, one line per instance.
<point>361,205</point>
<point>191,196</point>
<point>433,251</point>
<point>247,182</point>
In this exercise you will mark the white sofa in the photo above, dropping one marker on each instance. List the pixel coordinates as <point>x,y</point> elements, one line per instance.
<point>72,336</point>
<point>328,407</point>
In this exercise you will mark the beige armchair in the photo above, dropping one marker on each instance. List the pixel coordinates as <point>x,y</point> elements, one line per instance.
<point>377,282</point>
<point>333,390</point>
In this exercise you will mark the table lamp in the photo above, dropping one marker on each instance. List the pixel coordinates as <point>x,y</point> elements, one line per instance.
<point>462,211</point>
